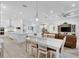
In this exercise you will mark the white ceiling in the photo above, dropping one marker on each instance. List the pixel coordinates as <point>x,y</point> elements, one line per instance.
<point>15,10</point>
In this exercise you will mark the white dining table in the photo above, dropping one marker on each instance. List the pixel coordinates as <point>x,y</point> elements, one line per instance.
<point>52,43</point>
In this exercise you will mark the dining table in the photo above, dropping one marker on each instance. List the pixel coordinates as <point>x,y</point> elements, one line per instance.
<point>51,43</point>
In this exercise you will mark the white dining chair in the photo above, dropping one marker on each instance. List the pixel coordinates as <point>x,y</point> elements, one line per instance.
<point>34,46</point>
<point>42,47</point>
<point>53,52</point>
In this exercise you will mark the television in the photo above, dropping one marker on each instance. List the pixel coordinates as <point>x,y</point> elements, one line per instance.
<point>18,28</point>
<point>65,29</point>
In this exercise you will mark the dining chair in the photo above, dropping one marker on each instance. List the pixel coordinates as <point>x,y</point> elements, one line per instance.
<point>53,52</point>
<point>42,47</point>
<point>34,46</point>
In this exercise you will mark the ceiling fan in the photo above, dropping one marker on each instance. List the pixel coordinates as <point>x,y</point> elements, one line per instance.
<point>24,5</point>
<point>69,13</point>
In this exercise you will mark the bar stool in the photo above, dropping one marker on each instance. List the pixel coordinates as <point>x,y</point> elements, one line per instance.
<point>34,46</point>
<point>27,44</point>
<point>1,48</point>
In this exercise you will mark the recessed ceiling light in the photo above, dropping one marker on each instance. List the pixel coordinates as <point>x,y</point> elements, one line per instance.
<point>3,6</point>
<point>20,12</point>
<point>73,5</point>
<point>51,11</point>
<point>37,19</point>
<point>1,12</point>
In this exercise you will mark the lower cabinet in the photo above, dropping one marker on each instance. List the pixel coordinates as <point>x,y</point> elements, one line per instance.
<point>71,40</point>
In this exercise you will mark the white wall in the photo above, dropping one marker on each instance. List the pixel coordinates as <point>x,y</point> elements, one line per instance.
<point>15,23</point>
<point>51,20</point>
<point>57,21</point>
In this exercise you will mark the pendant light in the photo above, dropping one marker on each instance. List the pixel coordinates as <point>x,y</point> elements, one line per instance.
<point>36,18</point>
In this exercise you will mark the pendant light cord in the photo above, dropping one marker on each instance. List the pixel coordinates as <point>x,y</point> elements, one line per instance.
<point>36,9</point>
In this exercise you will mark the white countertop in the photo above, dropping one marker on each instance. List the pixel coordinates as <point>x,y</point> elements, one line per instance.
<point>1,42</point>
